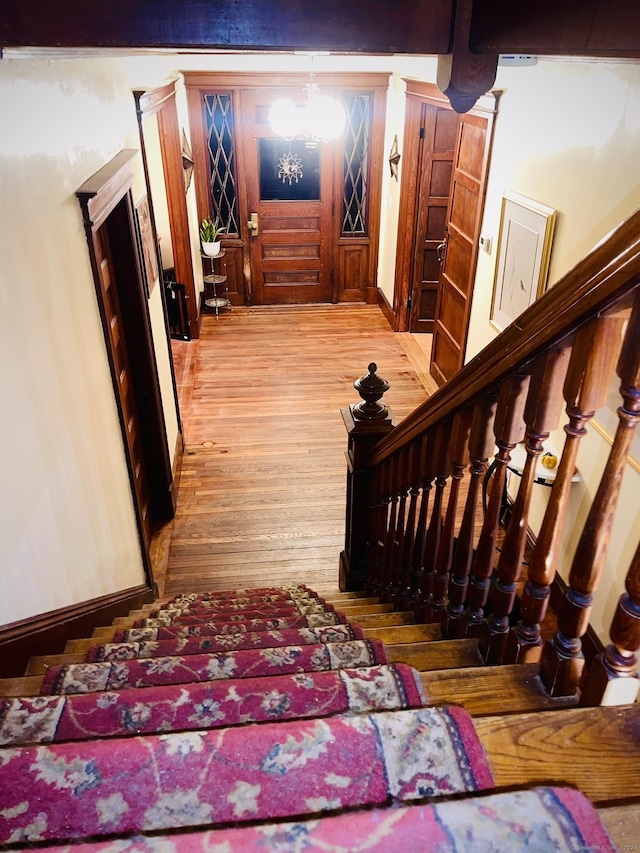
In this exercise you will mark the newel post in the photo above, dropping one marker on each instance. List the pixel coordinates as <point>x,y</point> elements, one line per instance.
<point>366,422</point>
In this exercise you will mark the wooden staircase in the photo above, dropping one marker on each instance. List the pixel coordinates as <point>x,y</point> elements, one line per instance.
<point>529,737</point>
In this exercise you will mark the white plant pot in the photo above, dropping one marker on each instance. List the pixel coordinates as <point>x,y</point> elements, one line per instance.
<point>211,249</point>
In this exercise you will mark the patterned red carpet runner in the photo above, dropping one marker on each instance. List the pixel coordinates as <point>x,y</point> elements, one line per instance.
<point>224,709</point>
<point>538,821</point>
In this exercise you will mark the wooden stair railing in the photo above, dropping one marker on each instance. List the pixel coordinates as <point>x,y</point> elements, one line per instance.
<point>561,350</point>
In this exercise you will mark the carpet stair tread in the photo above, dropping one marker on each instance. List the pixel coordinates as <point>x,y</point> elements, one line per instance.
<point>257,772</point>
<point>513,688</point>
<point>469,825</point>
<point>595,749</point>
<point>143,643</point>
<point>209,704</point>
<point>244,663</point>
<point>441,654</point>
<point>199,710</point>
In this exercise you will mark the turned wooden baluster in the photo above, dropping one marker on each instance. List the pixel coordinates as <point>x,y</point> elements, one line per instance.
<point>481,445</point>
<point>409,571</point>
<point>509,430</point>
<point>458,454</point>
<point>541,415</point>
<point>434,532</point>
<point>382,524</point>
<point>562,660</point>
<point>613,675</point>
<point>391,466</point>
<point>427,468</point>
<point>377,505</point>
<point>402,487</point>
<point>585,389</point>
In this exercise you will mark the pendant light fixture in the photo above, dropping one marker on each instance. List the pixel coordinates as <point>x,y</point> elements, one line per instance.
<point>319,119</point>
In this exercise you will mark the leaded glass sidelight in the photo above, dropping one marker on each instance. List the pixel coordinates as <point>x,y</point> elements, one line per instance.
<point>356,164</point>
<point>220,146</point>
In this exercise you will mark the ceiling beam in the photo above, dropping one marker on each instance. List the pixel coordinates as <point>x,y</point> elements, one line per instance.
<point>354,26</point>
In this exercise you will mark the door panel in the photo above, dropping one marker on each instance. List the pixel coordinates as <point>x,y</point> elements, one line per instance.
<point>124,381</point>
<point>438,137</point>
<point>289,187</point>
<point>464,217</point>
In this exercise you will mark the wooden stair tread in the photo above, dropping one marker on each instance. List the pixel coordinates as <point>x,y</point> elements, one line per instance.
<point>514,688</point>
<point>395,634</point>
<point>365,609</point>
<point>442,654</point>
<point>623,824</point>
<point>81,647</point>
<point>384,620</point>
<point>349,599</point>
<point>595,749</point>
<point>40,664</point>
<point>24,686</point>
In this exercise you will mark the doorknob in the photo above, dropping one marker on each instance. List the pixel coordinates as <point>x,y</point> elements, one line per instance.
<point>441,251</point>
<point>253,225</point>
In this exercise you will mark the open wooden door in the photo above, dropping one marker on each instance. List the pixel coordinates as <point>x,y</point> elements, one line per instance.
<point>464,219</point>
<point>438,132</point>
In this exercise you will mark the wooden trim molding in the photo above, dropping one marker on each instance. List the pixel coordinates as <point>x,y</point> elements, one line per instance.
<point>48,633</point>
<point>387,310</point>
<point>177,467</point>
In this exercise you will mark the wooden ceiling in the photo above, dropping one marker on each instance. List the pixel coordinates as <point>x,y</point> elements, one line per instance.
<point>468,34</point>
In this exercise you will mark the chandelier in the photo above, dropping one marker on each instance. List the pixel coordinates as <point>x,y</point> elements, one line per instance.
<point>319,119</point>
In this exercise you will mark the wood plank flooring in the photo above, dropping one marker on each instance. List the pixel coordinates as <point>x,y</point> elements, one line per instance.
<point>262,494</point>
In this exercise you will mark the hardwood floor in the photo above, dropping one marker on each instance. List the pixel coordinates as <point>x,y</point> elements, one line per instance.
<point>262,493</point>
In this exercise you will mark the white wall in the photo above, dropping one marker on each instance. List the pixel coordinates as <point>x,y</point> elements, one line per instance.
<point>567,135</point>
<point>67,526</point>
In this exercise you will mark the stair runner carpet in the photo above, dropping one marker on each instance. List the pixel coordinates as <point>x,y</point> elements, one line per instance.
<point>151,734</point>
<point>538,821</point>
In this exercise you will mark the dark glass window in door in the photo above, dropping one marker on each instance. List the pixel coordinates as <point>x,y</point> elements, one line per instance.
<point>220,146</point>
<point>356,165</point>
<point>289,171</point>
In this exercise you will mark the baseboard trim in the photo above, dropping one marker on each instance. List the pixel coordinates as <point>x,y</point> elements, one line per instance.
<point>387,310</point>
<point>177,469</point>
<point>48,633</point>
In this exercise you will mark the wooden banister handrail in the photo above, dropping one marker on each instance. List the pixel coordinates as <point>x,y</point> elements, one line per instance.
<point>604,276</point>
<point>560,354</point>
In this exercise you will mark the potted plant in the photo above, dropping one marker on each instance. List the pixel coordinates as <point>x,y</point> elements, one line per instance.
<point>210,237</point>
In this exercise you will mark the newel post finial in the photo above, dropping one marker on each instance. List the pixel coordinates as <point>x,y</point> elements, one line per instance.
<point>371,388</point>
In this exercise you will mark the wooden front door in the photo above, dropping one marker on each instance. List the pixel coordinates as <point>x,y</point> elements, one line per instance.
<point>289,197</point>
<point>464,218</point>
<point>438,136</point>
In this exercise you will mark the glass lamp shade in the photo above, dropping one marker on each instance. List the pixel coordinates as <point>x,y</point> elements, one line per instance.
<point>321,118</point>
<point>283,118</point>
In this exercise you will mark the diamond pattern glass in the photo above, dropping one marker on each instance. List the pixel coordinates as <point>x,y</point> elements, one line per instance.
<point>356,164</point>
<point>220,145</point>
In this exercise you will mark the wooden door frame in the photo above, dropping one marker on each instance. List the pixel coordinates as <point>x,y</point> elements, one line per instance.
<point>99,197</point>
<point>161,101</point>
<point>353,253</point>
<point>419,93</point>
<point>149,102</point>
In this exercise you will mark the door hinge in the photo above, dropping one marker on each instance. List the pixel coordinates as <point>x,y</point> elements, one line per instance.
<point>409,304</point>
<point>422,133</point>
